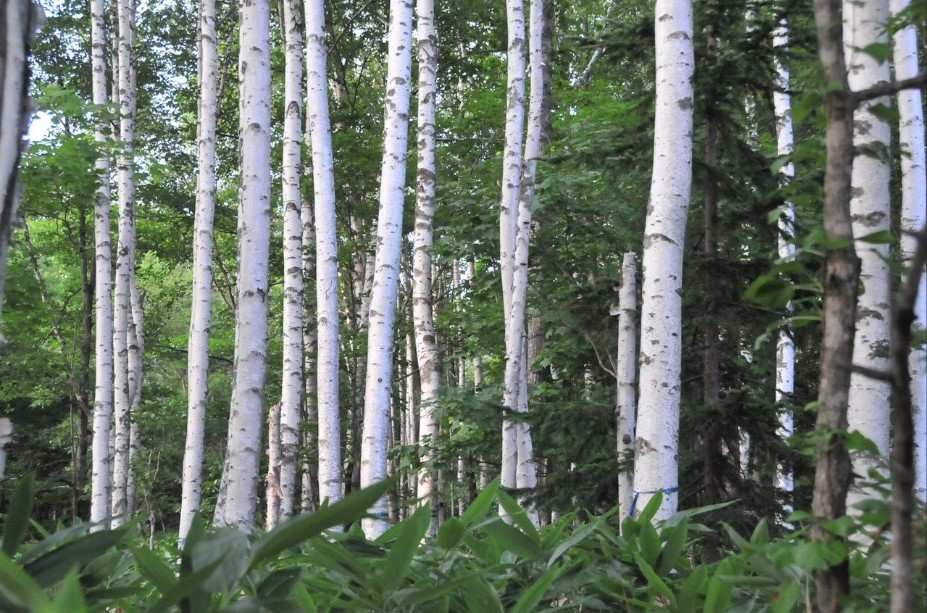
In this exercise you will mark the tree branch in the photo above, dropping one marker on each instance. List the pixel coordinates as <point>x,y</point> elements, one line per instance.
<point>872,373</point>
<point>888,89</point>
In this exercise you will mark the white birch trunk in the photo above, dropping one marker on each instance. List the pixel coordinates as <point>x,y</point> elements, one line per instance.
<point>125,263</point>
<point>245,419</point>
<point>6,437</point>
<point>103,382</point>
<point>326,254</point>
<point>868,408</point>
<point>310,434</point>
<point>201,302</point>
<point>913,217</point>
<point>273,493</point>
<point>292,384</point>
<point>657,436</point>
<point>626,404</point>
<point>785,345</point>
<point>508,225</point>
<point>386,268</point>
<point>426,344</point>
<point>136,378</point>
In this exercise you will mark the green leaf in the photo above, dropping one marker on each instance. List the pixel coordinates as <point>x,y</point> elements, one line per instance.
<point>656,583</point>
<point>18,588</point>
<point>301,528</point>
<point>675,545</point>
<point>230,547</point>
<point>481,504</point>
<point>882,237</point>
<point>517,513</point>
<point>718,595</point>
<point>650,543</point>
<point>397,564</point>
<point>694,585</point>
<point>480,596</point>
<point>70,596</point>
<point>531,597</point>
<point>18,514</point>
<point>451,533</point>
<point>578,536</point>
<point>184,588</point>
<point>414,596</point>
<point>771,291</point>
<point>653,505</point>
<point>857,441</point>
<point>53,566</point>
<point>787,597</point>
<point>760,534</point>
<point>881,52</point>
<point>514,540</point>
<point>154,569</point>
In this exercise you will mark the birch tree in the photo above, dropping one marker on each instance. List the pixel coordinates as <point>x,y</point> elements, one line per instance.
<point>785,345</point>
<point>657,438</point>
<point>426,344</point>
<point>201,302</point>
<point>626,406</point>
<point>292,259</point>
<point>245,418</point>
<point>868,408</point>
<point>913,217</point>
<point>386,266</point>
<point>326,255</point>
<point>125,262</point>
<point>103,309</point>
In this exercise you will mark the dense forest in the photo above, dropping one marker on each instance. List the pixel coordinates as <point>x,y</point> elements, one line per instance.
<point>525,305</point>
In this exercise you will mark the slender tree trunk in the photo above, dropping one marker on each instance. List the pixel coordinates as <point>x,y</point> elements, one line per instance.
<point>785,345</point>
<point>840,279</point>
<point>244,441</point>
<point>626,406</point>
<point>201,302</point>
<point>913,217</point>
<point>657,437</point>
<point>310,434</point>
<point>868,407</point>
<point>389,243</point>
<point>136,378</point>
<point>292,256</point>
<point>903,460</point>
<point>426,343</point>
<point>20,18</point>
<point>326,256</point>
<point>508,226</point>
<point>125,263</point>
<point>273,491</point>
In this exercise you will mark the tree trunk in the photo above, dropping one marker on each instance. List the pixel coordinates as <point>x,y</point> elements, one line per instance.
<point>626,406</point>
<point>125,263</point>
<point>292,378</point>
<point>868,405</point>
<point>326,256</point>
<point>426,344</point>
<point>309,499</point>
<point>913,217</point>
<point>389,244</point>
<point>273,491</point>
<point>136,378</point>
<point>657,437</point>
<point>902,599</point>
<point>785,345</point>
<point>201,301</point>
<point>840,280</point>
<point>244,441</point>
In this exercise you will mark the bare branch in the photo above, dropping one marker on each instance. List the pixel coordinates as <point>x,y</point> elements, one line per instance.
<point>888,89</point>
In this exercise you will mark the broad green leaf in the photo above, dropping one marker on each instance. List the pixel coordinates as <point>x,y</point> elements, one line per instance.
<point>657,584</point>
<point>857,441</point>
<point>881,52</point>
<point>787,597</point>
<point>481,504</point>
<point>184,588</point>
<point>53,566</point>
<point>18,515</point>
<point>650,543</point>
<point>693,586</point>
<point>649,511</point>
<point>514,540</point>
<point>18,588</point>
<point>760,534</point>
<point>304,599</point>
<point>718,595</point>
<point>579,535</point>
<point>882,237</point>
<point>415,596</point>
<point>481,596</point>
<point>519,514</point>
<point>301,528</point>
<point>771,291</point>
<point>531,597</point>
<point>451,533</point>
<point>675,545</point>
<point>70,596</point>
<point>231,547</point>
<point>399,559</point>
<point>154,568</point>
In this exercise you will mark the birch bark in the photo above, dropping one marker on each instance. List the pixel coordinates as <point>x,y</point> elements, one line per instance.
<point>626,406</point>
<point>326,255</point>
<point>103,382</point>
<point>868,408</point>
<point>657,438</point>
<point>386,276</point>
<point>201,301</point>
<point>125,262</point>
<point>913,217</point>
<point>292,385</point>
<point>426,344</point>
<point>244,441</point>
<point>785,345</point>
